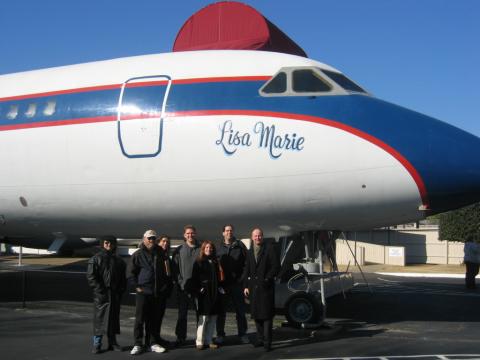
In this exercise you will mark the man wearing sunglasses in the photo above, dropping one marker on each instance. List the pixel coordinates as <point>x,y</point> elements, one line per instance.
<point>106,276</point>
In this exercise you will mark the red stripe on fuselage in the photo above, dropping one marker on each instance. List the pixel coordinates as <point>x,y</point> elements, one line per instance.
<point>79,121</point>
<point>221,79</point>
<point>196,81</point>
<point>136,84</point>
<point>60,92</point>
<point>41,124</point>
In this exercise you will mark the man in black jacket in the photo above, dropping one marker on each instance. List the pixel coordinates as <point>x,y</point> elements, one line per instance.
<point>152,279</point>
<point>261,267</point>
<point>106,276</point>
<point>231,254</point>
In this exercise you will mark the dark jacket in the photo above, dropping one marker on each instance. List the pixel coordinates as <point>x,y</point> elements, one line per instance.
<point>106,276</point>
<point>204,286</point>
<point>259,277</point>
<point>232,259</point>
<point>151,271</point>
<point>183,258</point>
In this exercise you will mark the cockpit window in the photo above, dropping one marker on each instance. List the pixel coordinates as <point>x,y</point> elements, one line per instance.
<point>307,80</point>
<point>276,85</point>
<point>343,81</point>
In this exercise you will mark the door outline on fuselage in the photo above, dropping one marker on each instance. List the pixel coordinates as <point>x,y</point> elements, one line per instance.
<point>149,79</point>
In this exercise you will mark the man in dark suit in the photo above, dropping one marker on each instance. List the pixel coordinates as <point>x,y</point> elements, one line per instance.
<point>261,267</point>
<point>106,276</point>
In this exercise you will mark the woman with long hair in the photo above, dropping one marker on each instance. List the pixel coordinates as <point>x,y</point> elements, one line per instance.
<point>206,282</point>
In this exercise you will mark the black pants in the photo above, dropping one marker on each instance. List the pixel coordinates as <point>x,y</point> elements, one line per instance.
<point>264,331</point>
<point>235,294</point>
<point>183,300</point>
<point>162,305</point>
<point>472,271</point>
<point>149,311</point>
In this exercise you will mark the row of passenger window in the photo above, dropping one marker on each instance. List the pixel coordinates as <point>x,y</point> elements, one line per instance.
<point>16,110</point>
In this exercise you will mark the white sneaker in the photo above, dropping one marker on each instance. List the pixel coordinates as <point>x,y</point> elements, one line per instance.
<point>136,350</point>
<point>219,340</point>
<point>157,348</point>
<point>244,339</point>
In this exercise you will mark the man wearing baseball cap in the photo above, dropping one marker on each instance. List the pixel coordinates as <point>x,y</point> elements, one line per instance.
<point>151,280</point>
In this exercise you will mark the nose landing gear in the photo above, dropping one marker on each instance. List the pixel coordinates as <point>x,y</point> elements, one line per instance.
<point>303,308</point>
<point>303,297</point>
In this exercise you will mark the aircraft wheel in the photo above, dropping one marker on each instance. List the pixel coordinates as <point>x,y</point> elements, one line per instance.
<point>302,308</point>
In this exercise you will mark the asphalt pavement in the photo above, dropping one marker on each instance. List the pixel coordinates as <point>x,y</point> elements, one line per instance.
<point>46,310</point>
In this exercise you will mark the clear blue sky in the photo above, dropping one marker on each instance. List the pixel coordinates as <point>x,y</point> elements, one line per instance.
<point>421,54</point>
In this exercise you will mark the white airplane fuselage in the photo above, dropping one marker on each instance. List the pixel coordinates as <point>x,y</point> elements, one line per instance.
<point>117,147</point>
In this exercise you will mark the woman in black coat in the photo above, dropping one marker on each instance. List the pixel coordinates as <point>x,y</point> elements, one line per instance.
<point>166,291</point>
<point>207,278</point>
<point>106,276</point>
<point>261,267</point>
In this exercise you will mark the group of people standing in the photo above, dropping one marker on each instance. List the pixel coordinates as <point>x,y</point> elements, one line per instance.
<point>205,277</point>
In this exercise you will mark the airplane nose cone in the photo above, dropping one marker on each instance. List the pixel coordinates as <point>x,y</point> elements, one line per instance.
<point>452,170</point>
<point>443,160</point>
<point>446,158</point>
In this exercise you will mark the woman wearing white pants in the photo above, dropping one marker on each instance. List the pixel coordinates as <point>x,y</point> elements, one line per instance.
<point>207,277</point>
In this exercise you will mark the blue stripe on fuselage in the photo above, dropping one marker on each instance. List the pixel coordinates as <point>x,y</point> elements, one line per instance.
<point>67,106</point>
<point>428,144</point>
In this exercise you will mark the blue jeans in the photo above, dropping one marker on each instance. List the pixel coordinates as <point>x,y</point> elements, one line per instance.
<point>97,340</point>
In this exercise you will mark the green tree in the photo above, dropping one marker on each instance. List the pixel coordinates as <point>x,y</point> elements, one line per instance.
<point>461,224</point>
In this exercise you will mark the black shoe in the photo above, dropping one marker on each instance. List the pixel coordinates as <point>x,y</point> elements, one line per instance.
<point>115,347</point>
<point>179,342</point>
<point>258,343</point>
<point>97,349</point>
<point>267,347</point>
<point>165,343</point>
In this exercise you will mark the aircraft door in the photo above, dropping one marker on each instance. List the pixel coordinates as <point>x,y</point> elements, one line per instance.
<point>140,114</point>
